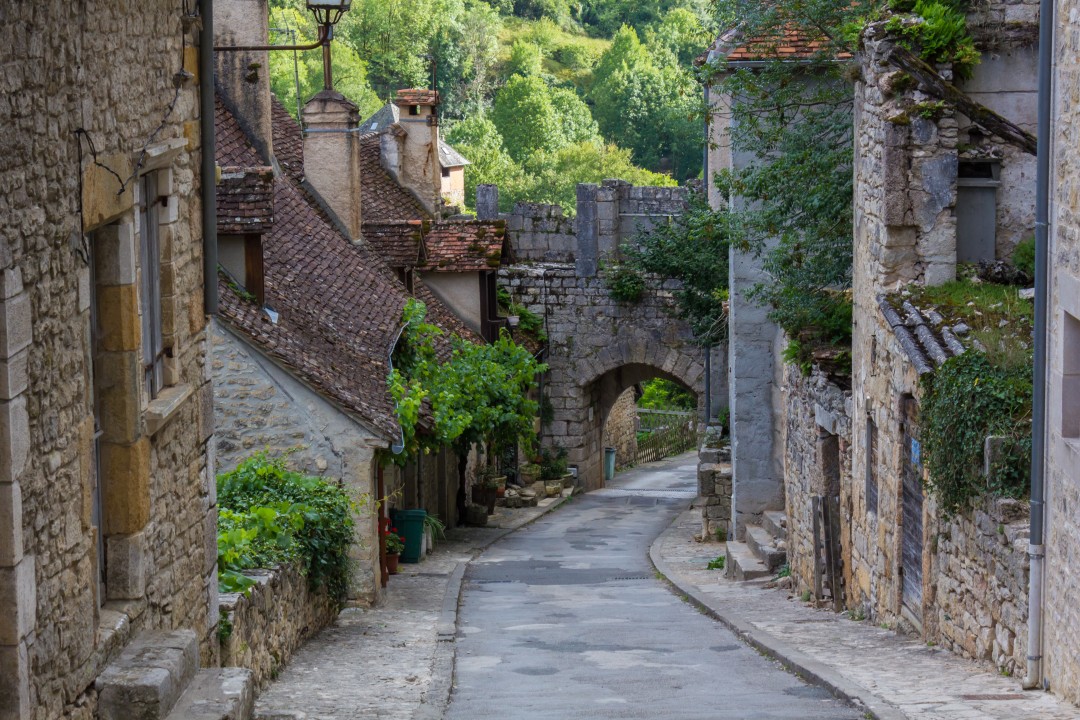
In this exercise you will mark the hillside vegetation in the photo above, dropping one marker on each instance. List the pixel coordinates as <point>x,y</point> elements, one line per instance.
<point>539,94</point>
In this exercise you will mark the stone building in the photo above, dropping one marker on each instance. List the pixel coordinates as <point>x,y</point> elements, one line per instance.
<point>310,311</point>
<point>931,190</point>
<point>107,506</point>
<point>1061,641</point>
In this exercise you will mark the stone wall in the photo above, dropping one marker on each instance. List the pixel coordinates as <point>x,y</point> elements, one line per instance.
<point>817,460</point>
<point>1061,618</point>
<point>107,68</point>
<point>620,429</point>
<point>598,347</point>
<point>607,216</point>
<point>260,406</point>
<point>272,620</point>
<point>714,483</point>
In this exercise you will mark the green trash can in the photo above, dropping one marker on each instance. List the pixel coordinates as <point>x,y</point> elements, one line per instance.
<point>609,464</point>
<point>410,525</point>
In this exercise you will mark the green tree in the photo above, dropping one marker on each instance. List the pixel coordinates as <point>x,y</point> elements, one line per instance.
<point>526,118</point>
<point>691,248</point>
<point>479,140</point>
<point>576,124</point>
<point>526,59</point>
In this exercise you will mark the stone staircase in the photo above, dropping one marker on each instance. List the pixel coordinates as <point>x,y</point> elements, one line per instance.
<point>157,677</point>
<point>763,550</point>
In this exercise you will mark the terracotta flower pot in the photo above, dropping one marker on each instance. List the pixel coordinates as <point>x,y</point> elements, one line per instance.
<point>392,563</point>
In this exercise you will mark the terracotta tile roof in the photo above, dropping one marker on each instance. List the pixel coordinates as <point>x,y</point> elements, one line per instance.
<point>926,339</point>
<point>791,43</point>
<point>382,200</point>
<point>232,147</point>
<point>288,140</point>
<point>400,245</point>
<point>245,200</point>
<point>466,246</point>
<point>416,96</point>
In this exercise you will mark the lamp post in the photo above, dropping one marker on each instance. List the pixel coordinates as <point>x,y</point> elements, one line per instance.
<point>327,14</point>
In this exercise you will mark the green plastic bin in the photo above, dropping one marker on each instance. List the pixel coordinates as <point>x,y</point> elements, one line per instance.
<point>410,525</point>
<point>609,464</point>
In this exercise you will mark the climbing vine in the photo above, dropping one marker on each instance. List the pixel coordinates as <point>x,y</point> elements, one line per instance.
<point>968,399</point>
<point>480,395</point>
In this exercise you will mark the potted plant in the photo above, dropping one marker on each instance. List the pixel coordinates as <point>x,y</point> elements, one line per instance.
<point>486,490</point>
<point>553,469</point>
<point>394,545</point>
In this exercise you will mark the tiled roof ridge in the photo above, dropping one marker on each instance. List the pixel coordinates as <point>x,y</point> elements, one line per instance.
<point>917,337</point>
<point>787,43</point>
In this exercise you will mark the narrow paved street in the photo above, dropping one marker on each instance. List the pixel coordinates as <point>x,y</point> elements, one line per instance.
<point>566,619</point>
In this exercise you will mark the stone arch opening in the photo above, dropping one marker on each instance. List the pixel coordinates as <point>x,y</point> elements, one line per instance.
<point>598,396</point>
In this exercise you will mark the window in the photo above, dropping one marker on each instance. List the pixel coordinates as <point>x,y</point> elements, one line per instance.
<point>414,109</point>
<point>446,172</point>
<point>871,467</point>
<point>1070,377</point>
<point>976,211</point>
<point>241,256</point>
<point>153,350</point>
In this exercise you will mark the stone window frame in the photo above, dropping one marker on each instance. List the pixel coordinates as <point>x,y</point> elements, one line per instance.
<point>118,456</point>
<point>1063,421</point>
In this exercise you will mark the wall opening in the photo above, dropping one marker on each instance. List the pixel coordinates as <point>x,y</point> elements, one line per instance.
<point>1070,377</point>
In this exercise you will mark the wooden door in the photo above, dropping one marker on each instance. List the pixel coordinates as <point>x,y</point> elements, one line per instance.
<point>911,521</point>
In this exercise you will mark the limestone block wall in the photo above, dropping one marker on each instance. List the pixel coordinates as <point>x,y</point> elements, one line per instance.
<point>260,406</point>
<point>817,461</point>
<point>540,232</point>
<point>981,574</point>
<point>106,68</point>
<point>620,430</point>
<point>715,483</point>
<point>272,620</point>
<point>598,348</point>
<point>1061,649</point>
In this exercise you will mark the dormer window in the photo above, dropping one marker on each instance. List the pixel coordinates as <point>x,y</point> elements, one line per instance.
<point>241,257</point>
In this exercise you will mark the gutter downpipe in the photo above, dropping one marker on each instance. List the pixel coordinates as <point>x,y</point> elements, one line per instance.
<point>1035,671</point>
<point>208,182</point>
<point>705,189</point>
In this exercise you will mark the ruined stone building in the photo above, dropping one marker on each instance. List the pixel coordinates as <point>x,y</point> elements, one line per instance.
<point>932,190</point>
<point>107,505</point>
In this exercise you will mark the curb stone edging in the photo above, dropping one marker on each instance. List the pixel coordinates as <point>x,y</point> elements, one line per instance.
<point>436,700</point>
<point>794,660</point>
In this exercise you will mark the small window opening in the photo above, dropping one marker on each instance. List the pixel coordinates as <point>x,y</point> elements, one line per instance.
<point>1070,378</point>
<point>871,467</point>
<point>414,109</point>
<point>153,345</point>
<point>446,172</point>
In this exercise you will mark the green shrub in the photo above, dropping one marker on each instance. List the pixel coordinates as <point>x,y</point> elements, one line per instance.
<point>268,515</point>
<point>968,399</point>
<point>625,283</point>
<point>1023,257</point>
<point>552,463</point>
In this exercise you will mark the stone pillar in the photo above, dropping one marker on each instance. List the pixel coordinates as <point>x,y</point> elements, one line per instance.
<point>487,202</point>
<point>332,156</point>
<point>607,218</point>
<point>588,250</point>
<point>243,78</point>
<point>18,589</point>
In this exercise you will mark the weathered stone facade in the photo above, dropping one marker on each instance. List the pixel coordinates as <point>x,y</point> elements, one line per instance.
<point>715,484</point>
<point>260,406</point>
<point>78,79</point>
<point>1061,615</point>
<point>272,620</point>
<point>620,429</point>
<point>817,461</point>
<point>598,347</point>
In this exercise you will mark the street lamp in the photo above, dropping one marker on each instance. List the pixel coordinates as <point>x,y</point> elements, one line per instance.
<point>327,14</point>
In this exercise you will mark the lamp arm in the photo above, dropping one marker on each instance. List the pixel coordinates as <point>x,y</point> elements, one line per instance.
<point>324,39</point>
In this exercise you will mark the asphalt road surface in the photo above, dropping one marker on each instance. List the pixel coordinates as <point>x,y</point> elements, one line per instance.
<point>565,619</point>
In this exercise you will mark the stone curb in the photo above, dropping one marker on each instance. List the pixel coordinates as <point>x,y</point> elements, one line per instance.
<point>435,701</point>
<point>810,670</point>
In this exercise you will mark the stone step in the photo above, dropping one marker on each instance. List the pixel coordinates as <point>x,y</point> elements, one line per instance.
<point>761,543</point>
<point>217,694</point>
<point>775,523</point>
<point>149,675</point>
<point>741,563</point>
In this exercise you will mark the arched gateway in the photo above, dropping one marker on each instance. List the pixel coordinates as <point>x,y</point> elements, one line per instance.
<point>597,346</point>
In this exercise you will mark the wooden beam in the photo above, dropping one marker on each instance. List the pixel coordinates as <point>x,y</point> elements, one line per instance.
<point>938,86</point>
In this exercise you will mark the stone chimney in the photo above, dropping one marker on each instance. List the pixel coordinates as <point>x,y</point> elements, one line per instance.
<point>332,156</point>
<point>243,78</point>
<point>412,155</point>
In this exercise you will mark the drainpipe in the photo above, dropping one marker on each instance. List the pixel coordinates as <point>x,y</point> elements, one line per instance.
<point>209,165</point>
<point>1035,670</point>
